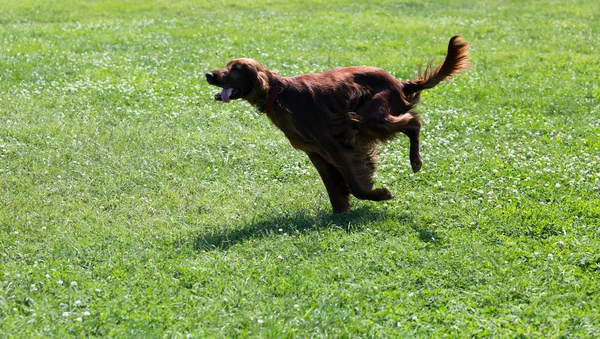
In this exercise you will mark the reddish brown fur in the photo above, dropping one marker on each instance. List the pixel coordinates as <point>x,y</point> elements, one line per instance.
<point>338,117</point>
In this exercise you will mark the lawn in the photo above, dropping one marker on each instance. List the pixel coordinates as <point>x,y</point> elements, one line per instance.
<point>132,205</point>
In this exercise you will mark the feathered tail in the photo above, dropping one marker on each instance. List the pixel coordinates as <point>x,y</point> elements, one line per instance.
<point>455,62</point>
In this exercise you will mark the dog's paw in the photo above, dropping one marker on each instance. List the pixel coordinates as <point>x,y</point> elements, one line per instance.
<point>340,206</point>
<point>383,194</point>
<point>416,163</point>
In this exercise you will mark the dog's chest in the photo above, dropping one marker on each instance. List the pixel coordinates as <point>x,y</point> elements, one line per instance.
<point>298,138</point>
<point>301,144</point>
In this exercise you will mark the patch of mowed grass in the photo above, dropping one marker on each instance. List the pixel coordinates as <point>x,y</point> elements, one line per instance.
<point>133,205</point>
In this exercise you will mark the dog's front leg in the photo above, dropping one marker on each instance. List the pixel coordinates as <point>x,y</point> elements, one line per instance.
<point>339,193</point>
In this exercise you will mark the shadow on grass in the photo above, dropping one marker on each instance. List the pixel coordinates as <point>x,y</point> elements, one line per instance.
<point>427,235</point>
<point>300,222</point>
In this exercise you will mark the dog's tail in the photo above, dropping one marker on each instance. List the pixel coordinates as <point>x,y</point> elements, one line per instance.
<point>455,62</point>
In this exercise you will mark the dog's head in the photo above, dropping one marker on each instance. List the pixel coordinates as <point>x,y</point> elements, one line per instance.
<point>241,78</point>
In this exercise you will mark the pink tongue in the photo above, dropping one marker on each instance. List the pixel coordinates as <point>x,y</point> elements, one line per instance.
<point>225,94</point>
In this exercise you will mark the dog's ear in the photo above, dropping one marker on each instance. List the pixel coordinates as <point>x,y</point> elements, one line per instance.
<point>261,83</point>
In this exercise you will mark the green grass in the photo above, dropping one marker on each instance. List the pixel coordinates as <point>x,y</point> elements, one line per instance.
<point>133,205</point>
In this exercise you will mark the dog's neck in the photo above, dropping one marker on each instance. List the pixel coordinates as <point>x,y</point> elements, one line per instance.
<point>265,99</point>
<point>274,90</point>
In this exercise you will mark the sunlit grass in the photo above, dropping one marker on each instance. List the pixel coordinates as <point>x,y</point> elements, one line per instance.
<point>133,205</point>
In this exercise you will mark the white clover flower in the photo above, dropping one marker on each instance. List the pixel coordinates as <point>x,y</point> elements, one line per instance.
<point>60,282</point>
<point>66,314</point>
<point>73,284</point>
<point>86,313</point>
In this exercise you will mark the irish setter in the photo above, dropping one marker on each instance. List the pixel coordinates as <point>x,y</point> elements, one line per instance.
<point>338,117</point>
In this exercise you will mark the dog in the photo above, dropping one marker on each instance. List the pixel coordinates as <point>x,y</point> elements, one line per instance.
<point>339,117</point>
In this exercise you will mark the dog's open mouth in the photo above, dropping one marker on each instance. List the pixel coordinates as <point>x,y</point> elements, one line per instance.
<point>228,94</point>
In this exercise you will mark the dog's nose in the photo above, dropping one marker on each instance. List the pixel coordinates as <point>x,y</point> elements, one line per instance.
<point>209,75</point>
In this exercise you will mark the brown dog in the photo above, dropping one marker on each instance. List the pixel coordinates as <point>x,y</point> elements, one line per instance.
<point>338,117</point>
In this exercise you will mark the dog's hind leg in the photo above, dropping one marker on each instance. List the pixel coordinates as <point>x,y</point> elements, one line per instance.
<point>363,163</point>
<point>409,124</point>
<point>339,193</point>
<point>357,167</point>
<point>381,123</point>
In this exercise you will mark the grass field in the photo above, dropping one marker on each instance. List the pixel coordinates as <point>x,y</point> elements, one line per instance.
<point>133,205</point>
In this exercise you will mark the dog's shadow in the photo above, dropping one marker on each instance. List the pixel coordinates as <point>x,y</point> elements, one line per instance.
<point>300,222</point>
